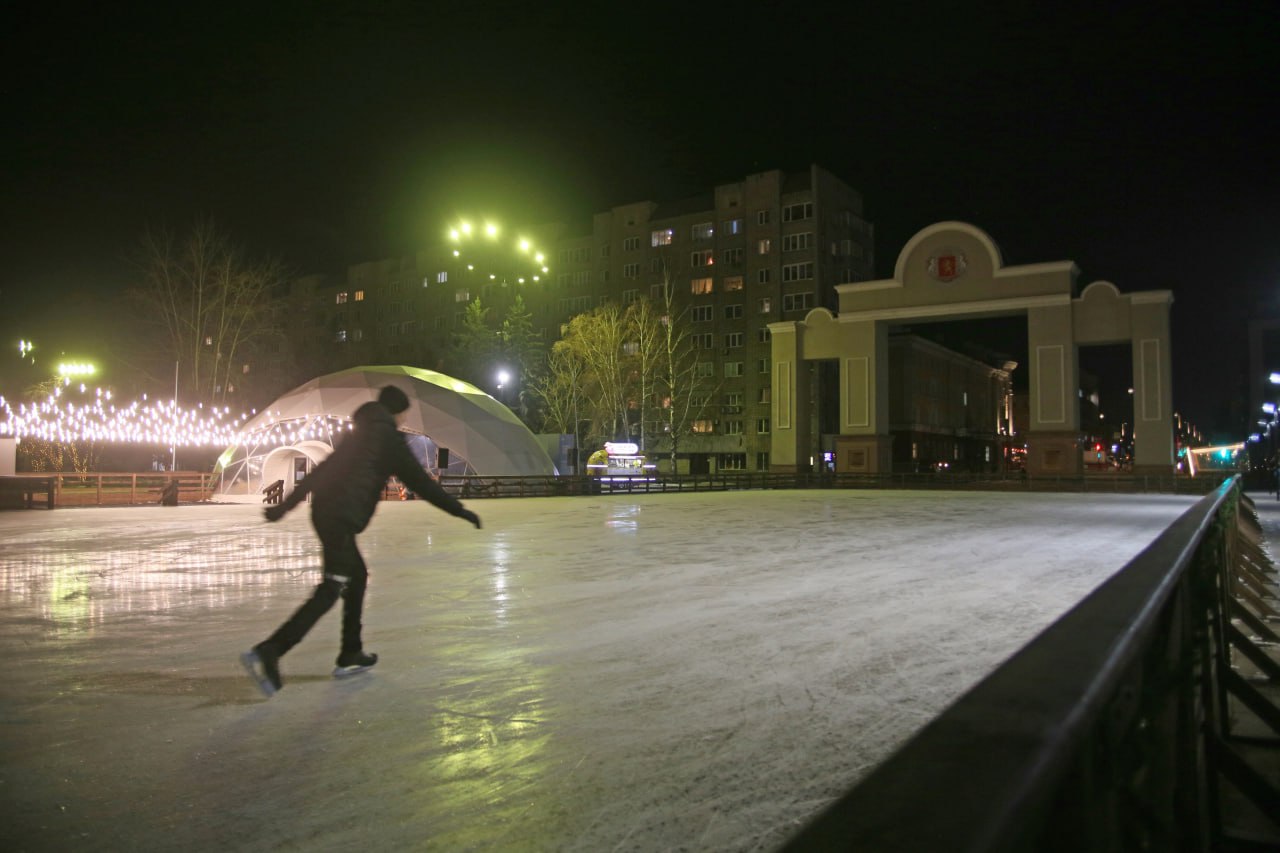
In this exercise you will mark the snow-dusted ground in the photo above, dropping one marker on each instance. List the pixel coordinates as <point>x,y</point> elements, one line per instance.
<point>666,672</point>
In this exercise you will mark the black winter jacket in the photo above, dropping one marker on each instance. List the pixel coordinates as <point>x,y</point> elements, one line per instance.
<point>348,485</point>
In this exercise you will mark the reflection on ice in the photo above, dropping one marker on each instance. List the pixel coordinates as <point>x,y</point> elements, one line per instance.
<point>79,577</point>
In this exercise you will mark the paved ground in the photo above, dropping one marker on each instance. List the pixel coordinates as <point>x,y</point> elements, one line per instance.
<point>666,672</point>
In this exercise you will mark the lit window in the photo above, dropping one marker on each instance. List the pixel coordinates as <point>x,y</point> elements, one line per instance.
<point>733,226</point>
<point>700,286</point>
<point>341,336</point>
<point>764,305</point>
<point>462,296</point>
<point>662,237</point>
<point>442,277</point>
<point>342,298</point>
<point>733,282</point>
<point>703,426</point>
<point>763,246</point>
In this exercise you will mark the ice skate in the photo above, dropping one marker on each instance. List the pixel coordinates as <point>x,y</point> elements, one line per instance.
<point>350,663</point>
<point>263,665</point>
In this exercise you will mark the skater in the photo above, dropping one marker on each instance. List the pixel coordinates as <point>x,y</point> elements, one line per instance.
<point>346,488</point>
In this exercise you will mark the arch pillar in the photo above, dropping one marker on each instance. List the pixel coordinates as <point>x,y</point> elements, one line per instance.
<point>789,432</point>
<point>864,444</point>
<point>1053,434</point>
<point>1153,443</point>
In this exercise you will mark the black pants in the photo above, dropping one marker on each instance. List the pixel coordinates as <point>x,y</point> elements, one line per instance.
<point>345,577</point>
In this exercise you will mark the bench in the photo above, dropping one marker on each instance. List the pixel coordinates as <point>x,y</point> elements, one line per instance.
<point>26,488</point>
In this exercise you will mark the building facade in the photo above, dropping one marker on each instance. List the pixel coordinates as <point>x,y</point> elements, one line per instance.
<point>948,411</point>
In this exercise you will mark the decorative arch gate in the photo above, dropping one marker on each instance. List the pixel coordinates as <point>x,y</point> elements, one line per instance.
<point>953,270</point>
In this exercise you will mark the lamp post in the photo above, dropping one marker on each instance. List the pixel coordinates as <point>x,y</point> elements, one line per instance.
<point>503,378</point>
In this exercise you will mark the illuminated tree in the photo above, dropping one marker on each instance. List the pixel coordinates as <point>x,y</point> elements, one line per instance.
<point>597,339</point>
<point>681,389</point>
<point>41,454</point>
<point>204,303</point>
<point>558,392</point>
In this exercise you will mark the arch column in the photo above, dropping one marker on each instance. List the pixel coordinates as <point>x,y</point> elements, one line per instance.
<point>789,432</point>
<point>1153,444</point>
<point>864,444</point>
<point>1053,435</point>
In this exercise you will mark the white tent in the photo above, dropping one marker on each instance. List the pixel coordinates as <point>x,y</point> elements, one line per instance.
<point>298,430</point>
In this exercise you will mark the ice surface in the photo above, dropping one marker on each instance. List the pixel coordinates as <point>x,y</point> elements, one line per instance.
<point>665,672</point>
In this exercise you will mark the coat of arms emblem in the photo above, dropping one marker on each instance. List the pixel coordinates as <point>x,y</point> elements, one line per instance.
<point>947,265</point>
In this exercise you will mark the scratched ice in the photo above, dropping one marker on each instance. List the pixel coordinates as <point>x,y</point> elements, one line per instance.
<point>699,672</point>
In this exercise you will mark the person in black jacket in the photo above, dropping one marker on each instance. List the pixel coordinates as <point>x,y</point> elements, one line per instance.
<point>345,490</point>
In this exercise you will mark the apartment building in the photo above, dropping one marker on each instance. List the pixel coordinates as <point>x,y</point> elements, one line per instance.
<point>769,247</point>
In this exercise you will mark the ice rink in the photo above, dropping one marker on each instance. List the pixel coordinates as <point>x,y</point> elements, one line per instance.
<point>666,672</point>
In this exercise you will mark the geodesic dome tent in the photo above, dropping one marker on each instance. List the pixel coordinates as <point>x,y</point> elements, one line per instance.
<point>453,428</point>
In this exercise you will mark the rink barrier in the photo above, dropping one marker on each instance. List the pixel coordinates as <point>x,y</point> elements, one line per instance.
<point>68,489</point>
<point>472,486</point>
<point>126,489</point>
<point>1134,722</point>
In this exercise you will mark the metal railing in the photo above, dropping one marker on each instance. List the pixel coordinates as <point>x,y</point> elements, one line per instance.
<point>1111,731</point>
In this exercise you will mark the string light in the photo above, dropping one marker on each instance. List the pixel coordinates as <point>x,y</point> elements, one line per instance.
<point>163,422</point>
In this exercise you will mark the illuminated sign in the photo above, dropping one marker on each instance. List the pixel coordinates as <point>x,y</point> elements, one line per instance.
<point>621,448</point>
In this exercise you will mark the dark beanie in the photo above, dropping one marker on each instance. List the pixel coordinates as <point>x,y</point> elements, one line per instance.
<point>393,399</point>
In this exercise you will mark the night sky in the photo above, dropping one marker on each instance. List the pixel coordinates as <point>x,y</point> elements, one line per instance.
<point>1140,143</point>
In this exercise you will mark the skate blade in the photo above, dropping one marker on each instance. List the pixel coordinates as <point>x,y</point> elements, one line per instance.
<point>347,671</point>
<point>250,662</point>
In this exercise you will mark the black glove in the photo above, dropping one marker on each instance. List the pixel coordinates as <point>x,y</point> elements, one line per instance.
<point>275,512</point>
<point>471,517</point>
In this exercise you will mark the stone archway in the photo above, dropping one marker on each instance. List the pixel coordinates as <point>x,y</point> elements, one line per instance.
<point>953,270</point>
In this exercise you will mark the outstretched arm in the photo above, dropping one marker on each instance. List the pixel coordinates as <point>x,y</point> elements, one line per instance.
<point>423,485</point>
